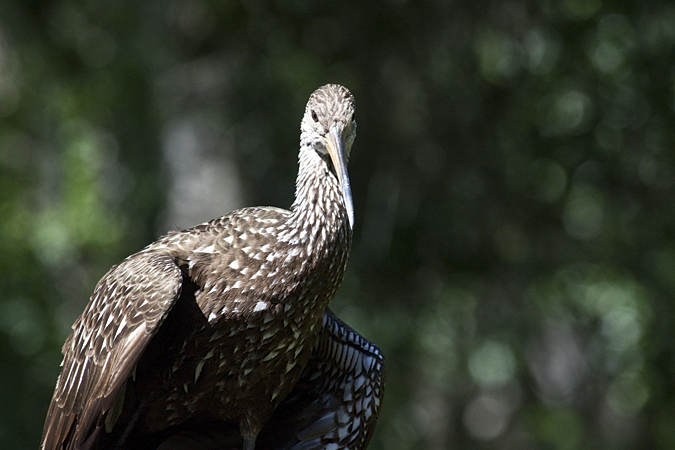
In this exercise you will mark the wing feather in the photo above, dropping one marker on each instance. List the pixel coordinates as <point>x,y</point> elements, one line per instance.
<point>336,403</point>
<point>125,311</point>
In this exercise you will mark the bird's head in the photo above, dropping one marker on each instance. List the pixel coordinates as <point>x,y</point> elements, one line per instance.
<point>329,128</point>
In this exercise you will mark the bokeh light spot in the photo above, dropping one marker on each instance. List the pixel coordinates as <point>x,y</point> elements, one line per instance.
<point>492,364</point>
<point>486,417</point>
<point>584,213</point>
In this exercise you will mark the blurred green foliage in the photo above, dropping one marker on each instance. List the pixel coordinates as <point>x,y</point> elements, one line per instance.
<point>513,178</point>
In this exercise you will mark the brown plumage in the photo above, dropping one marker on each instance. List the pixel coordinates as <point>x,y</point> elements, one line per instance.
<point>218,336</point>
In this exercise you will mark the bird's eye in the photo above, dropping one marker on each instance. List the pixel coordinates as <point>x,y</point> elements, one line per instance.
<point>315,118</point>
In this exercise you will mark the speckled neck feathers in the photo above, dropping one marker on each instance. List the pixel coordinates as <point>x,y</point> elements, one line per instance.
<point>318,199</point>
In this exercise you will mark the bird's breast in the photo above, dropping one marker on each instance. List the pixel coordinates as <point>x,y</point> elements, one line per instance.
<point>239,364</point>
<point>261,288</point>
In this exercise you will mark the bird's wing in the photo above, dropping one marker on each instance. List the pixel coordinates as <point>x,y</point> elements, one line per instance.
<point>125,311</point>
<point>336,403</point>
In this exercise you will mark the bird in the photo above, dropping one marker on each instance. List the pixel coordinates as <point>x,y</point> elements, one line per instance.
<point>220,336</point>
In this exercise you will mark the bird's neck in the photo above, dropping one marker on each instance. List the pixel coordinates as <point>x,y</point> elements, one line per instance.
<point>318,196</point>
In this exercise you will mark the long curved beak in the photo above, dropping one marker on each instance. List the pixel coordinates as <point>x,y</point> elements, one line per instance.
<point>336,149</point>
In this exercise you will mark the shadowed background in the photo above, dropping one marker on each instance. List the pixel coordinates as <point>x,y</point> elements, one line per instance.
<point>513,180</point>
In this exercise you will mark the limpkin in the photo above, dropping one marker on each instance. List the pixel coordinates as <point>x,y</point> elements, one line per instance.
<point>219,336</point>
